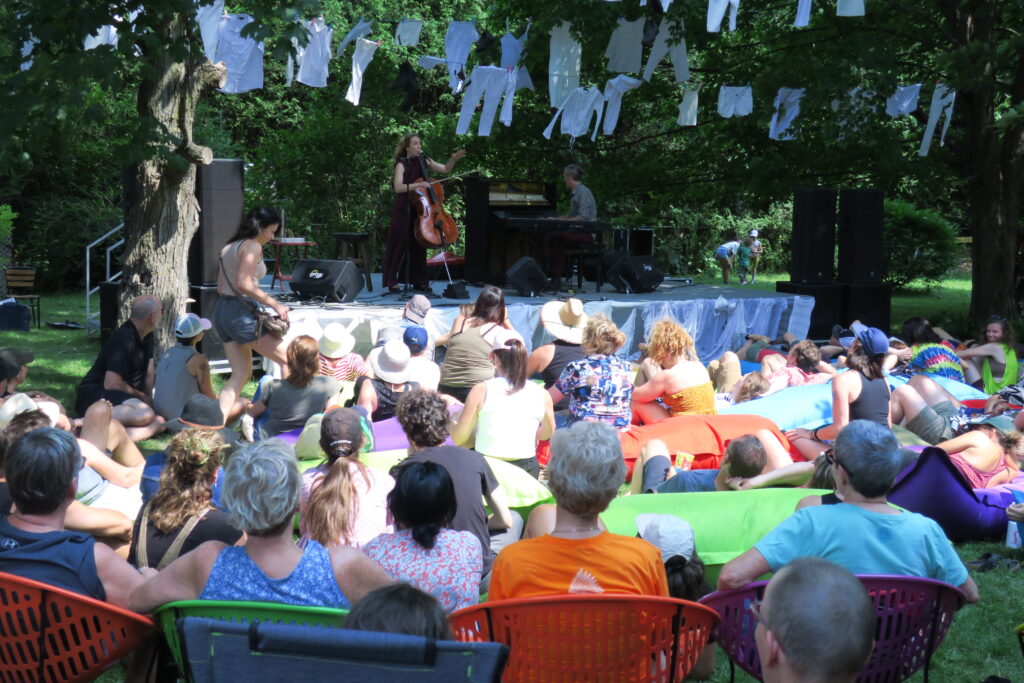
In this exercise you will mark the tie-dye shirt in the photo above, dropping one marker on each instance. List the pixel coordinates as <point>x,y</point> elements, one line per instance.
<point>935,359</point>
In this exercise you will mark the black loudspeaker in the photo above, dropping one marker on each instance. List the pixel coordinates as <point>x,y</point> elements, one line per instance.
<point>861,236</point>
<point>868,303</point>
<point>634,274</point>
<point>828,305</point>
<point>211,345</point>
<point>110,293</point>
<point>641,241</point>
<point>814,235</point>
<point>339,281</point>
<point>219,191</point>
<point>527,277</point>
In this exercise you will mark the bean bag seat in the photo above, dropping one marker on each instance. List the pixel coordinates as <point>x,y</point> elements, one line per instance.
<point>1002,495</point>
<point>388,434</point>
<point>522,491</point>
<point>935,488</point>
<point>705,436</point>
<point>806,407</point>
<point>292,437</point>
<point>725,523</point>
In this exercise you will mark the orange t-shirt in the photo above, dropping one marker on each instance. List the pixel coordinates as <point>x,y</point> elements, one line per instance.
<point>549,565</point>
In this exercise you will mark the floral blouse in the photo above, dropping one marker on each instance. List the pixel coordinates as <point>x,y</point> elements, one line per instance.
<point>599,388</point>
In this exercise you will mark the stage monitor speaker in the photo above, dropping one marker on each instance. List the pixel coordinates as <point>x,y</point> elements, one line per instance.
<point>339,281</point>
<point>861,236</point>
<point>813,240</point>
<point>527,277</point>
<point>219,191</point>
<point>828,305</point>
<point>635,274</point>
<point>110,293</point>
<point>211,345</point>
<point>869,303</point>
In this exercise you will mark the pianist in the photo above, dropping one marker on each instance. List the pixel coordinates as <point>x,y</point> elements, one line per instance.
<point>582,207</point>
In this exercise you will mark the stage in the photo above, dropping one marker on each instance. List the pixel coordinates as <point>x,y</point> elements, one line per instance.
<point>717,316</point>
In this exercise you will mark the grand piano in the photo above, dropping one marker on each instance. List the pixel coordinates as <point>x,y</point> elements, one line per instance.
<point>507,219</point>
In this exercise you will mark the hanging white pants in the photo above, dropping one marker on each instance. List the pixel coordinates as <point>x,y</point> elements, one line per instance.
<point>208,18</point>
<point>803,13</point>
<point>563,65</point>
<point>850,8</point>
<point>688,109</point>
<point>735,101</point>
<point>625,48</point>
<point>361,29</point>
<point>494,84</point>
<point>613,91</point>
<point>512,49</point>
<point>677,52</point>
<point>317,55</point>
<point>716,13</point>
<point>942,105</point>
<point>903,101</point>
<point>458,41</point>
<point>407,34</point>
<point>787,108</point>
<point>360,60</point>
<point>576,111</point>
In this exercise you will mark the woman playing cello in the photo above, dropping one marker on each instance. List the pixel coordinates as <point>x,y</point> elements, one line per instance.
<point>409,177</point>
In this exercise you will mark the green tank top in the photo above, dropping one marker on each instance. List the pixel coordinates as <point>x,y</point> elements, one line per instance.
<point>467,362</point>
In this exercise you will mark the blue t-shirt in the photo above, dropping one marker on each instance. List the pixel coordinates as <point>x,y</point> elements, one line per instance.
<point>865,542</point>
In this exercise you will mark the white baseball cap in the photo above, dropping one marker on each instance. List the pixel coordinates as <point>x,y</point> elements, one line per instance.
<point>670,534</point>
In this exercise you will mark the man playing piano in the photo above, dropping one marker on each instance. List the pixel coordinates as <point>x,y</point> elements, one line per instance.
<point>582,207</point>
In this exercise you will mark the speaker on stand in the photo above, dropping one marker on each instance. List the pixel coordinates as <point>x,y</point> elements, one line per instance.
<point>813,240</point>
<point>221,197</point>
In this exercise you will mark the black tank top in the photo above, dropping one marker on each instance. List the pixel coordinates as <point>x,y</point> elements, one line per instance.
<point>873,402</point>
<point>830,499</point>
<point>564,354</point>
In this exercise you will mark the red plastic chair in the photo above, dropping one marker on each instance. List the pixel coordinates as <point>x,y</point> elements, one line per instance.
<point>913,616</point>
<point>52,634</point>
<point>591,637</point>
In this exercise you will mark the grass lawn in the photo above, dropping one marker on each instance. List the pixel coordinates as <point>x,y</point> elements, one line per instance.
<point>980,644</point>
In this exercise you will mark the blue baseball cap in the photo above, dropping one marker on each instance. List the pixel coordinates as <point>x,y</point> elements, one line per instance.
<point>873,340</point>
<point>415,338</point>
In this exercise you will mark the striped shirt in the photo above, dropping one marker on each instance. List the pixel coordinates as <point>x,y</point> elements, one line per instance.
<point>344,369</point>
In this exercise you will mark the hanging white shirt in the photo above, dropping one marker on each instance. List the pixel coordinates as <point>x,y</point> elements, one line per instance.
<point>688,109</point>
<point>512,54</point>
<point>613,91</point>
<point>787,108</point>
<point>676,51</point>
<point>563,64</point>
<point>26,53</point>
<point>494,84</point>
<point>850,8</point>
<point>716,13</point>
<point>360,30</point>
<point>903,101</point>
<point>407,34</point>
<point>104,35</point>
<point>208,18</point>
<point>625,47</point>
<point>803,13</point>
<point>317,54</point>
<point>942,105</point>
<point>458,41</point>
<point>360,60</point>
<point>295,54</point>
<point>243,57</point>
<point>579,107</point>
<point>735,101</point>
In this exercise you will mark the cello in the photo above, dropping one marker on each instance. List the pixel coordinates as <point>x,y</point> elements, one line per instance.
<point>435,227</point>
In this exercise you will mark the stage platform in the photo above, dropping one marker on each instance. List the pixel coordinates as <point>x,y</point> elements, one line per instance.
<point>717,316</point>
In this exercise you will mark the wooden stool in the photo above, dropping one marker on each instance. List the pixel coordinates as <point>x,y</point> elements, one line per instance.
<point>358,243</point>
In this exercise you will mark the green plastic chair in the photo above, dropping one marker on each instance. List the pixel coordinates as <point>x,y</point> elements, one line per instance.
<point>237,612</point>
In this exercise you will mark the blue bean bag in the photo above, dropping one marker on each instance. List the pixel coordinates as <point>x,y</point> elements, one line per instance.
<point>935,488</point>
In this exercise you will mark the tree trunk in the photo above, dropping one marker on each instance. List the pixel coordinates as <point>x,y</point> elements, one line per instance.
<point>164,214</point>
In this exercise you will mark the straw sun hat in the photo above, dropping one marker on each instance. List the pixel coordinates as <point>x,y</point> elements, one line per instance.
<point>565,320</point>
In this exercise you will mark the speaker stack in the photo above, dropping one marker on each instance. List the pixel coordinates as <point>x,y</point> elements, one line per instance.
<point>337,281</point>
<point>526,277</point>
<point>219,191</point>
<point>859,293</point>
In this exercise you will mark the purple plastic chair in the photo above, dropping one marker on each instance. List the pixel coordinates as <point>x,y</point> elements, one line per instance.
<point>913,616</point>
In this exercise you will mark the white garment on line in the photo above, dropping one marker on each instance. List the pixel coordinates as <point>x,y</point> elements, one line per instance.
<point>613,91</point>
<point>787,108</point>
<point>493,84</point>
<point>458,41</point>
<point>208,18</point>
<point>850,8</point>
<point>803,13</point>
<point>295,54</point>
<point>360,60</point>
<point>26,53</point>
<point>716,13</point>
<point>688,109</point>
<point>563,64</point>
<point>576,111</point>
<point>317,54</point>
<point>625,47</point>
<point>407,34</point>
<point>243,57</point>
<point>735,101</point>
<point>360,30</point>
<point>903,101</point>
<point>105,35</point>
<point>942,105</point>
<point>677,52</point>
<point>512,49</point>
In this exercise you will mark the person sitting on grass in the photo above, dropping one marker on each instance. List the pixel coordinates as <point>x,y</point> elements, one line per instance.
<point>182,371</point>
<point>863,533</point>
<point>928,353</point>
<point>993,365</point>
<point>17,358</point>
<point>337,359</point>
<point>671,380</point>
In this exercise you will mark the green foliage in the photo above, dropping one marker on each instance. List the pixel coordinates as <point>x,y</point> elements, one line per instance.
<point>921,244</point>
<point>7,216</point>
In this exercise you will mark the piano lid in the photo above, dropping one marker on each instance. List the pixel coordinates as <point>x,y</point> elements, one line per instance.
<point>517,193</point>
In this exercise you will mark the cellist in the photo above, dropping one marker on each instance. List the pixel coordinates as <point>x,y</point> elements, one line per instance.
<point>409,162</point>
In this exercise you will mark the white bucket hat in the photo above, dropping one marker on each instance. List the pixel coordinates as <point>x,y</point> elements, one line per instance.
<point>336,341</point>
<point>565,320</point>
<point>390,362</point>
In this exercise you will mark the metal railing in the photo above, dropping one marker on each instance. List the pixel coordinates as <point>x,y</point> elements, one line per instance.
<point>92,322</point>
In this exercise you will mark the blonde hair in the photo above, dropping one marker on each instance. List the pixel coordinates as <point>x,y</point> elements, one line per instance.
<point>193,457</point>
<point>670,340</point>
<point>402,150</point>
<point>753,385</point>
<point>601,336</point>
<point>334,502</point>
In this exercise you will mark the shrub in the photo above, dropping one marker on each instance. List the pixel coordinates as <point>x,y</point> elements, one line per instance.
<point>921,244</point>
